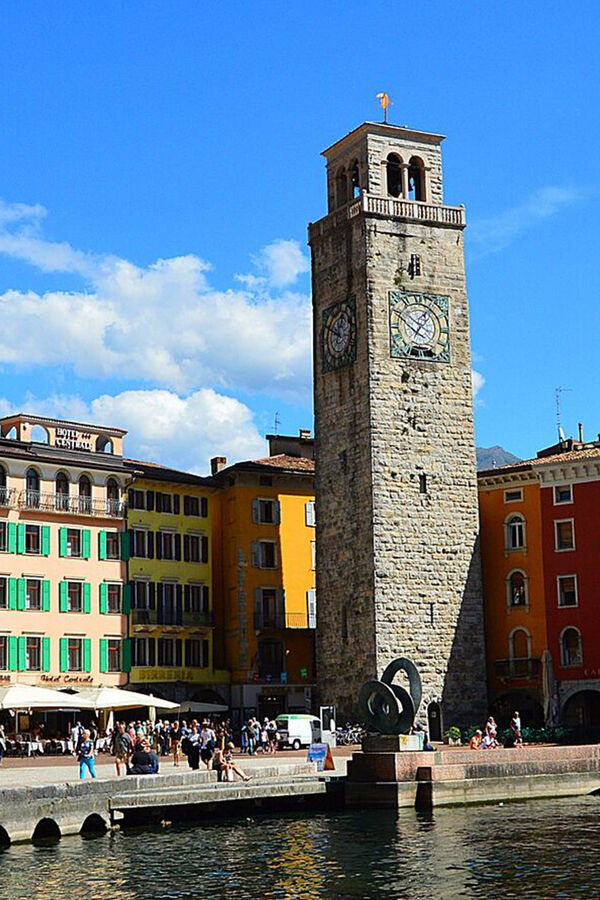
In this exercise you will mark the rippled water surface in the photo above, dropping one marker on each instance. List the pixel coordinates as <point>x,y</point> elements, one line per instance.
<point>541,849</point>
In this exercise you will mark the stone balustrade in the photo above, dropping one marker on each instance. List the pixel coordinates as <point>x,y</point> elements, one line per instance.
<point>391,207</point>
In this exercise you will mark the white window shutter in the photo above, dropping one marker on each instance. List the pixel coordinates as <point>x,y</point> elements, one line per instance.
<point>255,511</point>
<point>310,513</point>
<point>256,554</point>
<point>313,550</point>
<point>311,607</point>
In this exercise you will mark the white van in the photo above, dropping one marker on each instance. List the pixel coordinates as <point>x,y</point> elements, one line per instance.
<point>298,731</point>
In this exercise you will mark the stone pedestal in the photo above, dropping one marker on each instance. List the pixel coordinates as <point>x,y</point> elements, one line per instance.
<point>392,743</point>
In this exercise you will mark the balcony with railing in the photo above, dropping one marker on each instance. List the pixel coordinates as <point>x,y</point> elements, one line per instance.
<point>176,619</point>
<point>7,496</point>
<point>391,207</point>
<point>64,503</point>
<point>524,667</point>
<point>263,622</point>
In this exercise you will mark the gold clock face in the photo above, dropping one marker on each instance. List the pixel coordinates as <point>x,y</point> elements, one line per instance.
<point>339,335</point>
<point>419,326</point>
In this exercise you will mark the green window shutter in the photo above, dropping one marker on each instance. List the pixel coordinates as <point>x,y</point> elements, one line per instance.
<point>21,593</point>
<point>12,593</point>
<point>62,542</point>
<point>87,597</point>
<point>126,655</point>
<point>126,599</point>
<point>101,545</point>
<point>21,538</point>
<point>103,655</point>
<point>12,653</point>
<point>12,537</point>
<point>22,653</point>
<point>103,598</point>
<point>64,653</point>
<point>63,600</point>
<point>46,654</point>
<point>125,546</point>
<point>87,655</point>
<point>45,540</point>
<point>86,544</point>
<point>45,595</point>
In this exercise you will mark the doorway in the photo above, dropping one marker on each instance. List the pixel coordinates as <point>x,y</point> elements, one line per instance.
<point>434,721</point>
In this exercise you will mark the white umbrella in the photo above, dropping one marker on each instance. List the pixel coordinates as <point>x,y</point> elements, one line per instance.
<point>193,707</point>
<point>117,698</point>
<point>29,696</point>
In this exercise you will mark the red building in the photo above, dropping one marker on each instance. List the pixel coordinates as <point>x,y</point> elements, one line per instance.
<point>552,647</point>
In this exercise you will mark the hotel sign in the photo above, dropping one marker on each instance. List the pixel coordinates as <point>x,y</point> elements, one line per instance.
<point>71,439</point>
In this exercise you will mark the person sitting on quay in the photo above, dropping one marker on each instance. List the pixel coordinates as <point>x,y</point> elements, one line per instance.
<point>143,760</point>
<point>85,756</point>
<point>225,766</point>
<point>490,740</point>
<point>475,742</point>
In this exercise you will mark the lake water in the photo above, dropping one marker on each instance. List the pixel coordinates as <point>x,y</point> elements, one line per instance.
<point>540,849</point>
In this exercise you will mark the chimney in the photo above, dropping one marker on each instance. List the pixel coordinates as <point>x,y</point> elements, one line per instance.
<point>305,434</point>
<point>580,427</point>
<point>217,463</point>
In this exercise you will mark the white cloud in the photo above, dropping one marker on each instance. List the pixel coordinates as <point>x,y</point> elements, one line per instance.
<point>478,381</point>
<point>182,432</point>
<point>496,232</point>
<point>282,261</point>
<point>163,323</point>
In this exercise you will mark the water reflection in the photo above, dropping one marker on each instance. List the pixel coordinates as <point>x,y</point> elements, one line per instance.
<point>541,849</point>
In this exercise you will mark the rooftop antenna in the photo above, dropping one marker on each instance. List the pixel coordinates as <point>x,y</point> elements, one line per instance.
<point>276,423</point>
<point>558,391</point>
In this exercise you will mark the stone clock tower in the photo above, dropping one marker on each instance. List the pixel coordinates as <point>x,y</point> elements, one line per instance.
<point>398,569</point>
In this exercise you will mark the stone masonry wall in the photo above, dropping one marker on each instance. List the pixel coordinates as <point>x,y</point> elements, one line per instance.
<point>428,594</point>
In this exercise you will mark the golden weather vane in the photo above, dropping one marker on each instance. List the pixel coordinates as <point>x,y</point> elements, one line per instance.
<point>384,100</point>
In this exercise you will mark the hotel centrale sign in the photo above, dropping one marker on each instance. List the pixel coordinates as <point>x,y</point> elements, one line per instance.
<point>167,674</point>
<point>71,439</point>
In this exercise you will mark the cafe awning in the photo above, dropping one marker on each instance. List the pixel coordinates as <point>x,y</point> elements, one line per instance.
<point>29,696</point>
<point>118,698</point>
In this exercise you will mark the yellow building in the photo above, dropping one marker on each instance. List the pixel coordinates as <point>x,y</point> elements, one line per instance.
<point>265,556</point>
<point>170,577</point>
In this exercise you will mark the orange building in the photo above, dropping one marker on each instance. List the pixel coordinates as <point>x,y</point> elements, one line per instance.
<point>264,565</point>
<point>513,590</point>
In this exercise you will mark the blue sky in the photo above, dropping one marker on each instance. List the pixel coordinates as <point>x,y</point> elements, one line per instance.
<point>159,163</point>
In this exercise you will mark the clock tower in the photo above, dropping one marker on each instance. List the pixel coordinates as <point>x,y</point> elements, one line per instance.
<point>398,568</point>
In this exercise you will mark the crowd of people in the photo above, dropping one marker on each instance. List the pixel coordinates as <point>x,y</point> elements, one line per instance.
<point>138,746</point>
<point>489,740</point>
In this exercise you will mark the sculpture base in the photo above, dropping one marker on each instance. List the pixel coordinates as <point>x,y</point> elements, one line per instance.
<point>392,743</point>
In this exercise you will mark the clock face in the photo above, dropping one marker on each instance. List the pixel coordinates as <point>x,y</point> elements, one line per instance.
<point>419,326</point>
<point>339,335</point>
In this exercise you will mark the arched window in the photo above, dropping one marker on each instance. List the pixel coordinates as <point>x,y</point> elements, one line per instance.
<point>519,649</point>
<point>104,444</point>
<point>354,174</point>
<point>416,179</point>
<point>394,175</point>
<point>61,489</point>
<point>39,434</point>
<point>515,532</point>
<point>570,647</point>
<point>341,188</point>
<point>32,487</point>
<point>112,497</point>
<point>517,589</point>
<point>85,494</point>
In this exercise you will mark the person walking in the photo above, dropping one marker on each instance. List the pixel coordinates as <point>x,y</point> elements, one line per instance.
<point>175,737</point>
<point>208,744</point>
<point>85,755</point>
<point>515,727</point>
<point>121,746</point>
